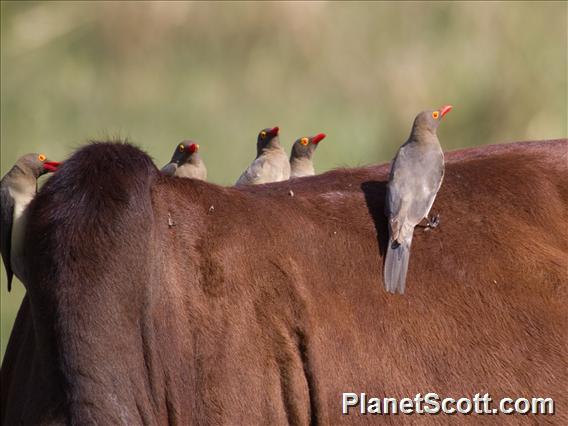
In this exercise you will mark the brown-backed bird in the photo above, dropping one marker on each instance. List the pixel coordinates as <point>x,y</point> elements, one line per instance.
<point>186,162</point>
<point>301,163</point>
<point>271,163</point>
<point>415,178</point>
<point>17,188</point>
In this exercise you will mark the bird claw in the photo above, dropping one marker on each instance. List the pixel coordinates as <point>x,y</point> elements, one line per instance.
<point>432,222</point>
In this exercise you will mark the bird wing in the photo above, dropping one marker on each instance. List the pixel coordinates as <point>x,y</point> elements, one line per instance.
<point>414,181</point>
<point>269,167</point>
<point>244,179</point>
<point>397,184</point>
<point>6,219</point>
<point>422,203</point>
<point>398,201</point>
<point>255,173</point>
<point>169,169</point>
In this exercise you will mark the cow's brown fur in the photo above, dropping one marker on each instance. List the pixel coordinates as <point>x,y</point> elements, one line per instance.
<point>155,300</point>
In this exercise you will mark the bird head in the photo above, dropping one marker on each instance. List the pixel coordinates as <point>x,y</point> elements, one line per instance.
<point>267,137</point>
<point>305,147</point>
<point>430,120</point>
<point>38,164</point>
<point>184,152</point>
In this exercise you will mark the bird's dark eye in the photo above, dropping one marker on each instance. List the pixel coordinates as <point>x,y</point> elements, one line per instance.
<point>435,115</point>
<point>304,141</point>
<point>262,134</point>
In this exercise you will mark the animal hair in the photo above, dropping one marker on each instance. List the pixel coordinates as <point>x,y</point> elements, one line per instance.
<point>159,300</point>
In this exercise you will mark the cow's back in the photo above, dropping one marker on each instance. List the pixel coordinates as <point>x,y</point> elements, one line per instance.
<point>264,304</point>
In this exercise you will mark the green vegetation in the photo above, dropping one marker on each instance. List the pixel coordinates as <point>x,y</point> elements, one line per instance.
<point>219,72</point>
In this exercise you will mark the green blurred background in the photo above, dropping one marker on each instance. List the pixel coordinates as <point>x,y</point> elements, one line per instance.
<point>157,73</point>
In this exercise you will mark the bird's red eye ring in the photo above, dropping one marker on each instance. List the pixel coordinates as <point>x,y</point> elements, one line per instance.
<point>262,134</point>
<point>181,147</point>
<point>41,157</point>
<point>304,141</point>
<point>435,115</point>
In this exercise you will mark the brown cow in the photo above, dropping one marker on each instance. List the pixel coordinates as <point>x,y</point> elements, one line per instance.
<point>156,300</point>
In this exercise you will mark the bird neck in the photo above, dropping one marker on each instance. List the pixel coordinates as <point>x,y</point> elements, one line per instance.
<point>424,136</point>
<point>272,146</point>
<point>22,181</point>
<point>297,153</point>
<point>194,159</point>
<point>23,171</point>
<point>301,166</point>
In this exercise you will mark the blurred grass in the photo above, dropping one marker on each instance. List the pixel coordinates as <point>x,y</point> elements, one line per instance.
<point>219,72</point>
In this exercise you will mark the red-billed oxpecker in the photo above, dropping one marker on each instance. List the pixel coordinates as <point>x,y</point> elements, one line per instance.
<point>301,163</point>
<point>17,188</point>
<point>186,162</point>
<point>415,178</point>
<point>271,163</point>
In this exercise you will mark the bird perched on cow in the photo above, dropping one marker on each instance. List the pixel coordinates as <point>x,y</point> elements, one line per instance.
<point>186,162</point>
<point>301,163</point>
<point>415,178</point>
<point>17,188</point>
<point>271,163</point>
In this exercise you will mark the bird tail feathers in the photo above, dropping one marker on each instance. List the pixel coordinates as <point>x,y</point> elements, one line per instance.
<point>396,265</point>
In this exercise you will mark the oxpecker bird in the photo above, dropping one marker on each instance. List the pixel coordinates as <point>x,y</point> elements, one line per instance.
<point>186,162</point>
<point>415,178</point>
<point>271,163</point>
<point>301,163</point>
<point>17,188</point>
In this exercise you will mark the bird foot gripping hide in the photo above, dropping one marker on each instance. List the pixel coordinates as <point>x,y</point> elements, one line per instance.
<point>432,222</point>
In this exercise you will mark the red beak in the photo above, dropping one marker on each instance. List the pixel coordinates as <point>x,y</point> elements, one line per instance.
<point>445,109</point>
<point>317,138</point>
<point>51,166</point>
<point>193,148</point>
<point>274,131</point>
